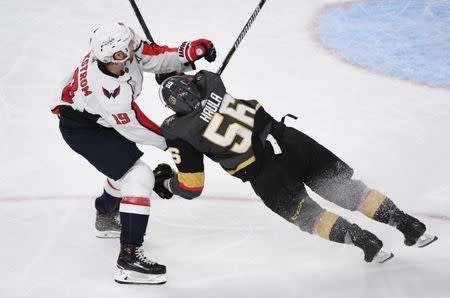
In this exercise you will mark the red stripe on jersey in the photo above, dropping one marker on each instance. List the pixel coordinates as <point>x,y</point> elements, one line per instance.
<point>56,111</point>
<point>139,201</point>
<point>112,186</point>
<point>144,121</point>
<point>193,189</point>
<point>153,49</point>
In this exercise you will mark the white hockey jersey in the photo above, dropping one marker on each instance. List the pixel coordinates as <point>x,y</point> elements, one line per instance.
<point>113,98</point>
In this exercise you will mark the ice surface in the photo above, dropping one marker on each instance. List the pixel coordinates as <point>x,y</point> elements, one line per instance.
<point>226,244</point>
<point>408,39</point>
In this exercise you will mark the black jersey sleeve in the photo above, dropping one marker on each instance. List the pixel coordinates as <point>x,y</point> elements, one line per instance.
<point>189,181</point>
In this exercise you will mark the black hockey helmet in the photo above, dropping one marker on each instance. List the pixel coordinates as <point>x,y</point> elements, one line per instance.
<point>180,94</point>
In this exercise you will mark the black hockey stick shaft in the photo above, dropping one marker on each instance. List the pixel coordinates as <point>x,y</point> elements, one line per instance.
<point>145,28</point>
<point>141,21</point>
<point>241,36</point>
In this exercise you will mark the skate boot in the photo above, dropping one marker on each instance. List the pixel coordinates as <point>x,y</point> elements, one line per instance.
<point>412,229</point>
<point>370,244</point>
<point>108,225</point>
<point>135,268</point>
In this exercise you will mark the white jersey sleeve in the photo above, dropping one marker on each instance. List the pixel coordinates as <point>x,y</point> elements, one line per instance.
<point>132,123</point>
<point>158,59</point>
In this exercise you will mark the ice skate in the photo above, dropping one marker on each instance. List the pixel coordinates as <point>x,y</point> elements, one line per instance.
<point>370,244</point>
<point>134,267</point>
<point>382,256</point>
<point>425,239</point>
<point>108,225</point>
<point>412,229</point>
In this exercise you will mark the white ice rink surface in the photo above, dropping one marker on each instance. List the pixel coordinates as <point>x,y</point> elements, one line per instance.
<point>394,133</point>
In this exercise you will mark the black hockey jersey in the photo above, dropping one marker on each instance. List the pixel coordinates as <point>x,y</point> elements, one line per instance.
<point>227,130</point>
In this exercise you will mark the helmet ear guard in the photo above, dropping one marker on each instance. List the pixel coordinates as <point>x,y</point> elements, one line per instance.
<point>180,94</point>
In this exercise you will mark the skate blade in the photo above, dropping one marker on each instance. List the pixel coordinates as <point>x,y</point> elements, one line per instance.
<point>383,256</point>
<point>108,234</point>
<point>132,277</point>
<point>425,240</point>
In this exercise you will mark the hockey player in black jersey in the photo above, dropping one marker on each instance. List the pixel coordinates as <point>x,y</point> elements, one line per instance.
<point>277,160</point>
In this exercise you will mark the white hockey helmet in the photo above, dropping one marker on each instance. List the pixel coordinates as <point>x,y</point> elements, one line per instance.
<point>109,39</point>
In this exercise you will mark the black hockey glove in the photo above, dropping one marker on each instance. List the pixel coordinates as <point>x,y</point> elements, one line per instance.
<point>162,172</point>
<point>211,54</point>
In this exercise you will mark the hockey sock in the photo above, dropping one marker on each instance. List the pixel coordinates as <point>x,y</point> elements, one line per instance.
<point>107,204</point>
<point>378,207</point>
<point>134,214</point>
<point>333,227</point>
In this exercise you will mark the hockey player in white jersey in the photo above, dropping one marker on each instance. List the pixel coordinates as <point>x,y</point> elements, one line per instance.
<point>100,120</point>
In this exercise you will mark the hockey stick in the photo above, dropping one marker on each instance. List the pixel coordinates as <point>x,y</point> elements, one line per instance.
<point>147,32</point>
<point>241,36</point>
<point>141,21</point>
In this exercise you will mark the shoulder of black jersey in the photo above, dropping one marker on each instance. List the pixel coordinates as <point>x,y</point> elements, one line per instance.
<point>209,82</point>
<point>168,122</point>
<point>208,73</point>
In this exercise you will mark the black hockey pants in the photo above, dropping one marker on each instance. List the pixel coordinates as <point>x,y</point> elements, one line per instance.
<point>280,182</point>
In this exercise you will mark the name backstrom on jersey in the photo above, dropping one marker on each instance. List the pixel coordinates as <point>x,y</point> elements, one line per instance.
<point>83,76</point>
<point>211,107</point>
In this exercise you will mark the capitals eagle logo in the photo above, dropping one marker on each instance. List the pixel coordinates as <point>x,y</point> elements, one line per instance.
<point>112,94</point>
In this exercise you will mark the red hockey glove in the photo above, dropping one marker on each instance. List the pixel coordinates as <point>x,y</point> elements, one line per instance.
<point>194,50</point>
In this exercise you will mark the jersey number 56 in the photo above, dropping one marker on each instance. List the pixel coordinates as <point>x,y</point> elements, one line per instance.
<point>241,126</point>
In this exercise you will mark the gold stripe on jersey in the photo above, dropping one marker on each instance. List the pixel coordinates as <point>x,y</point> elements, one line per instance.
<point>325,223</point>
<point>257,107</point>
<point>191,180</point>
<point>371,203</point>
<point>242,165</point>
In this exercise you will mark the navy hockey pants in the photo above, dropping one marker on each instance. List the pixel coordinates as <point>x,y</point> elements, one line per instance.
<point>107,150</point>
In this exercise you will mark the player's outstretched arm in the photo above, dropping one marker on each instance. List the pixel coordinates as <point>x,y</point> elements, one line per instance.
<point>164,59</point>
<point>189,181</point>
<point>168,183</point>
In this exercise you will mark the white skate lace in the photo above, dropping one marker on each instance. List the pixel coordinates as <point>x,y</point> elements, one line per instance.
<point>141,256</point>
